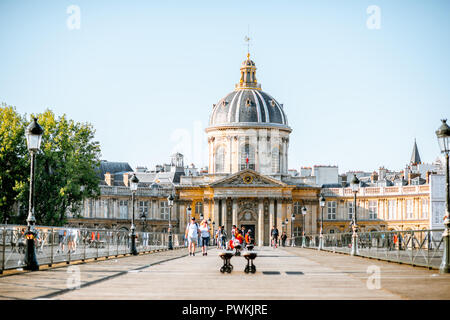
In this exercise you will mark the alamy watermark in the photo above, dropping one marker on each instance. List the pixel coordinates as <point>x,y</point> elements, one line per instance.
<point>374,279</point>
<point>74,19</point>
<point>374,20</point>
<point>74,278</point>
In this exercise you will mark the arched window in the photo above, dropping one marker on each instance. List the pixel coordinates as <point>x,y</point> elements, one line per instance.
<point>247,152</point>
<point>275,160</point>
<point>220,159</point>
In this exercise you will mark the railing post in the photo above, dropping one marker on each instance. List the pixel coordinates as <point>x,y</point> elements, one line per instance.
<point>107,243</point>
<point>97,242</point>
<point>117,237</point>
<point>86,239</point>
<point>4,248</point>
<point>51,247</point>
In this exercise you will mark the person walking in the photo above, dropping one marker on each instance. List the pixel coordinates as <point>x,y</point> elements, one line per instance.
<point>192,235</point>
<point>61,235</point>
<point>223,238</point>
<point>283,238</point>
<point>218,237</point>
<point>75,235</point>
<point>204,230</point>
<point>274,236</point>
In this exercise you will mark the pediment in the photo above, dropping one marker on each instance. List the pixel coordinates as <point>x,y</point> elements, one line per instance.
<point>247,178</point>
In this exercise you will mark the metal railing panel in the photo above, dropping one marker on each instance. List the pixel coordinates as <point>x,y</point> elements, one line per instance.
<point>416,247</point>
<point>63,245</point>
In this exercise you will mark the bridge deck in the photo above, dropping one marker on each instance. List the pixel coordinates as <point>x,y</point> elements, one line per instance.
<point>283,273</point>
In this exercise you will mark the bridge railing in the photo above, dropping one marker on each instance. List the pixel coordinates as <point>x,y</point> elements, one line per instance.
<point>62,244</point>
<point>417,247</point>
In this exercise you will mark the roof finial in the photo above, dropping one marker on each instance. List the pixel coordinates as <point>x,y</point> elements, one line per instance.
<point>247,39</point>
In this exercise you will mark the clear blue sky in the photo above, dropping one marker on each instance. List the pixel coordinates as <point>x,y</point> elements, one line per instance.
<point>146,72</point>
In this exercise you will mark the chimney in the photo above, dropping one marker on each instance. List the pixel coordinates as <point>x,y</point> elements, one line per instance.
<point>374,177</point>
<point>125,179</point>
<point>109,179</point>
<point>428,177</point>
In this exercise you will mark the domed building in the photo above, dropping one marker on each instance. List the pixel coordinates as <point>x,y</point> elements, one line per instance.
<point>247,182</point>
<point>248,128</point>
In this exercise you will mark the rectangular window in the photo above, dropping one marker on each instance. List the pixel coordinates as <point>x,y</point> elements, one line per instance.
<point>350,210</point>
<point>105,208</point>
<point>425,208</point>
<point>409,209</point>
<point>91,210</point>
<point>143,209</point>
<point>331,210</point>
<point>392,213</point>
<point>199,208</point>
<point>164,210</point>
<point>373,210</point>
<point>123,209</point>
<point>297,208</point>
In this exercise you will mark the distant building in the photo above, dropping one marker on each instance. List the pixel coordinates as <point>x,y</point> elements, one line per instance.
<point>247,181</point>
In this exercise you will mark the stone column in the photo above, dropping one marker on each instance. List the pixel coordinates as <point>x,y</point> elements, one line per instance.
<point>271,214</point>
<point>234,213</point>
<point>260,223</point>
<point>224,214</point>
<point>279,214</point>
<point>216,212</point>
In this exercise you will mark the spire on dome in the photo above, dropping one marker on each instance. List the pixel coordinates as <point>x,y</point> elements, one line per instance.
<point>248,75</point>
<point>415,158</point>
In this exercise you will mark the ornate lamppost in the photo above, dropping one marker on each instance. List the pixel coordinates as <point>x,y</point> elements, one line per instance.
<point>214,234</point>
<point>34,136</point>
<point>304,210</point>
<point>170,202</point>
<point>292,231</point>
<point>144,221</point>
<point>322,205</point>
<point>355,188</point>
<point>443,136</point>
<point>134,181</point>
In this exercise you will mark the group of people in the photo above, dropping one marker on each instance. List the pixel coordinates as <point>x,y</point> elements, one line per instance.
<point>194,232</point>
<point>201,233</point>
<point>69,236</point>
<point>274,234</point>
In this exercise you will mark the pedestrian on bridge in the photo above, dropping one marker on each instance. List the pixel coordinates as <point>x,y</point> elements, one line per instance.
<point>204,229</point>
<point>192,233</point>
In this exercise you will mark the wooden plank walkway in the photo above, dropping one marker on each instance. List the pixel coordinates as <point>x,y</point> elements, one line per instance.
<point>283,273</point>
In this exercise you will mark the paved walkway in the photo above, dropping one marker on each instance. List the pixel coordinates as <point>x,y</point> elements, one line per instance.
<point>283,273</point>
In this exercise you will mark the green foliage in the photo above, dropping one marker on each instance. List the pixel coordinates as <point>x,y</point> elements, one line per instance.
<point>65,172</point>
<point>13,164</point>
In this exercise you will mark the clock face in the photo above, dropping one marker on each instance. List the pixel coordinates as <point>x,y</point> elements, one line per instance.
<point>247,179</point>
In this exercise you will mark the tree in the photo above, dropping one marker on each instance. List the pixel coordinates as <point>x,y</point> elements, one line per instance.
<point>13,161</point>
<point>66,167</point>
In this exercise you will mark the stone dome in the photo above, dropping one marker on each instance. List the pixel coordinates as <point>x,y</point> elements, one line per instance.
<point>248,105</point>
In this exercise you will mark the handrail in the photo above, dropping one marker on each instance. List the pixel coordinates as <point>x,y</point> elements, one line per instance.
<point>67,244</point>
<point>415,247</point>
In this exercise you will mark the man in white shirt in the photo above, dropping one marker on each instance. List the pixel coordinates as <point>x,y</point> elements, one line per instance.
<point>192,235</point>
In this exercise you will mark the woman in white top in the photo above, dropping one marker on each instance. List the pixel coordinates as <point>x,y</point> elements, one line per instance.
<point>204,229</point>
<point>192,235</point>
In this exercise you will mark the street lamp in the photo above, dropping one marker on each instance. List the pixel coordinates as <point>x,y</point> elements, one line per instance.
<point>170,202</point>
<point>134,181</point>
<point>443,135</point>
<point>322,205</point>
<point>34,136</point>
<point>355,188</point>
<point>292,231</point>
<point>144,218</point>
<point>214,235</point>
<point>304,210</point>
